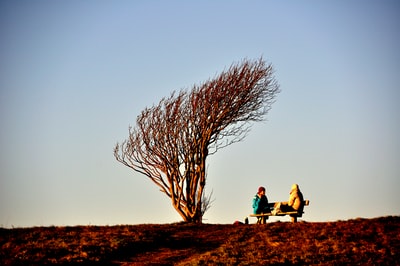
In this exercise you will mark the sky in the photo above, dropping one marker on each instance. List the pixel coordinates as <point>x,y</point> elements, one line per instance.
<point>74,75</point>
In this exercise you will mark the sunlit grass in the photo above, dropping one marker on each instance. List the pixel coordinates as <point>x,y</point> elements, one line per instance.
<point>355,242</point>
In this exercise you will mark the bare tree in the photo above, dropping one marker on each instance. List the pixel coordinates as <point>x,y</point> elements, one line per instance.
<point>171,140</point>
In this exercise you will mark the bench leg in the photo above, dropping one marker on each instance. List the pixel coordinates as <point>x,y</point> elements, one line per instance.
<point>293,219</point>
<point>262,220</point>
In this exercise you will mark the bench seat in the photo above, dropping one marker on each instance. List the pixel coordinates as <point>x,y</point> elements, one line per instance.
<point>272,205</point>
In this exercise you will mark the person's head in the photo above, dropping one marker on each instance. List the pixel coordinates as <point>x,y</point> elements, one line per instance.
<point>295,187</point>
<point>261,191</point>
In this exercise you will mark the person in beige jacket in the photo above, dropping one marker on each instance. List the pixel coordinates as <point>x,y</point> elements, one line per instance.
<point>295,203</point>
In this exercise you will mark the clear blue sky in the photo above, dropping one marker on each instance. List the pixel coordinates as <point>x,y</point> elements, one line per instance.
<point>75,74</point>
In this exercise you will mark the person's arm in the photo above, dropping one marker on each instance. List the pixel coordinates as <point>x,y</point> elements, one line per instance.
<point>291,199</point>
<point>266,207</point>
<point>256,200</point>
<point>294,201</point>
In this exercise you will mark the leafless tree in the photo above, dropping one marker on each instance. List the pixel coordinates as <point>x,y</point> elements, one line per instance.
<point>171,140</point>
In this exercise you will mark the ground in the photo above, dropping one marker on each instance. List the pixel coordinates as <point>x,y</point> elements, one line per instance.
<point>356,242</point>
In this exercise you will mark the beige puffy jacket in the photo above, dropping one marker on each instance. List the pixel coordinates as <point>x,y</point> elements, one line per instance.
<point>295,199</point>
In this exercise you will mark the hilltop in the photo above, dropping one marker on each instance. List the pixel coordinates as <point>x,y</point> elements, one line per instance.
<point>358,241</point>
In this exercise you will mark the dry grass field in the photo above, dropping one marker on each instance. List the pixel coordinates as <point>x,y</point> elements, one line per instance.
<point>352,242</point>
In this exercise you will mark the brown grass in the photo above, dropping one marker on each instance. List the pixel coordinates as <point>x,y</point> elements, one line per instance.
<point>353,242</point>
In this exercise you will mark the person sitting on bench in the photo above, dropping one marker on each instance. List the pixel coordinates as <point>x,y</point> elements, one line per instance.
<point>260,205</point>
<point>295,203</point>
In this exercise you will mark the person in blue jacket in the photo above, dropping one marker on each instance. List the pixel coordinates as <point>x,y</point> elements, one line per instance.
<point>260,205</point>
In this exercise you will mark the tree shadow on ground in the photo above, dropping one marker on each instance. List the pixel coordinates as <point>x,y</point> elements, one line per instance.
<point>164,249</point>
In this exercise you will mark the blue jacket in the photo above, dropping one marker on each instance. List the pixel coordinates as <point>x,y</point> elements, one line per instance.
<point>260,205</point>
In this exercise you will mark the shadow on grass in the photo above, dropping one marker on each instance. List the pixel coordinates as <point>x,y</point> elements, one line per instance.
<point>163,251</point>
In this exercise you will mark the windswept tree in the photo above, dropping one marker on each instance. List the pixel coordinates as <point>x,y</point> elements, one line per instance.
<point>172,140</point>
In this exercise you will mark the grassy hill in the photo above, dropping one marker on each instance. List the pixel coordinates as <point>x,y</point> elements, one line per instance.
<point>353,242</point>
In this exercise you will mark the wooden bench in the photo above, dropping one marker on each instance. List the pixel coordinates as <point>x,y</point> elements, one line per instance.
<point>273,205</point>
